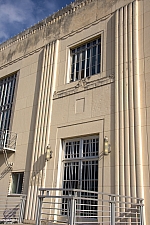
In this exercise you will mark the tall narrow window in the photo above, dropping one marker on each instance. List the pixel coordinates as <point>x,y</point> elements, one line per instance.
<point>81,171</point>
<point>17,181</point>
<point>7,88</point>
<point>86,60</point>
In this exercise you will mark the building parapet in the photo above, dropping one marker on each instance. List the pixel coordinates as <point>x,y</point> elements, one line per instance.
<point>46,22</point>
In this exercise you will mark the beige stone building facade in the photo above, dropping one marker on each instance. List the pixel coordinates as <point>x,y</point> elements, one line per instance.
<point>70,85</point>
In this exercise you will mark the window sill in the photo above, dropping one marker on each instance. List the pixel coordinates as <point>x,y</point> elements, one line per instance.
<point>15,195</point>
<point>83,85</point>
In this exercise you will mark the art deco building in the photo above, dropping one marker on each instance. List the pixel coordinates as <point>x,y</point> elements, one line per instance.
<point>74,101</point>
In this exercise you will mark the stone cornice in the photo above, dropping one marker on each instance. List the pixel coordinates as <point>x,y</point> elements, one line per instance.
<point>46,22</point>
<point>70,9</point>
<point>83,85</point>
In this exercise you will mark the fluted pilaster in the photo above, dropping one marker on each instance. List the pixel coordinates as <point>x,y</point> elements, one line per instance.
<point>128,139</point>
<point>42,128</point>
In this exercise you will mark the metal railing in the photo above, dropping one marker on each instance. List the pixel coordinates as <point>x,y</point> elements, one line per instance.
<point>12,209</point>
<point>87,207</point>
<point>8,140</point>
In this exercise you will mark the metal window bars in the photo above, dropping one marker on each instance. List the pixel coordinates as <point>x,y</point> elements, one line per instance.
<point>86,60</point>
<point>7,89</point>
<point>8,140</point>
<point>88,208</point>
<point>81,164</point>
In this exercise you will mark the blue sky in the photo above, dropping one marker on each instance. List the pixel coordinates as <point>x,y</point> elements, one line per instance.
<point>17,15</point>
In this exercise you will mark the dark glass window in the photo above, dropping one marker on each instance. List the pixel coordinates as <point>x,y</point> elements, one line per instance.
<point>85,60</point>
<point>7,88</point>
<point>17,182</point>
<point>81,172</point>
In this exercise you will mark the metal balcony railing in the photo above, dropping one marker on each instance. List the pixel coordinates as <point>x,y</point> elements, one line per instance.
<point>8,140</point>
<point>73,206</point>
<point>12,209</point>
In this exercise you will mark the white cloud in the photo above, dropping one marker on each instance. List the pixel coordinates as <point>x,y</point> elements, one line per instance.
<point>18,15</point>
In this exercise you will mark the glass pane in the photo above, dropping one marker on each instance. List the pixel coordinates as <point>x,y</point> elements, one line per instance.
<point>88,63</point>
<point>93,70</point>
<point>88,53</point>
<point>72,150</point>
<point>99,49</point>
<point>70,181</point>
<point>7,87</point>
<point>94,42</point>
<point>72,68</point>
<point>90,147</point>
<point>77,67</point>
<point>14,183</point>
<point>20,182</point>
<point>73,59</point>
<point>87,72</point>
<point>94,51</point>
<point>88,45</point>
<point>98,68</point>
<point>83,64</point>
<point>93,60</point>
<point>78,57</point>
<point>98,59</point>
<point>78,49</point>
<point>82,74</point>
<point>83,55</point>
<point>72,77</point>
<point>77,75</point>
<point>89,182</point>
<point>83,47</point>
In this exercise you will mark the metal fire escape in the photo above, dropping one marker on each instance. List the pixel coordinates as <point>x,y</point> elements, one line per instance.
<point>7,144</point>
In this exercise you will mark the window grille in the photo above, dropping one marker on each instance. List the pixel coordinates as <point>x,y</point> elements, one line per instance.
<point>81,172</point>
<point>7,88</point>
<point>86,60</point>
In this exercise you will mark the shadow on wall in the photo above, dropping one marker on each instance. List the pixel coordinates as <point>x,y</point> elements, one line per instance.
<point>5,172</point>
<point>38,165</point>
<point>32,126</point>
<point>7,165</point>
<point>110,72</point>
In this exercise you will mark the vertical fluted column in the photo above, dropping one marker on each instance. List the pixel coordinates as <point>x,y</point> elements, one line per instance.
<point>131,103</point>
<point>137,99</point>
<point>128,139</point>
<point>53,70</point>
<point>121,105</point>
<point>116,104</point>
<point>126,106</point>
<point>30,189</point>
<point>37,176</point>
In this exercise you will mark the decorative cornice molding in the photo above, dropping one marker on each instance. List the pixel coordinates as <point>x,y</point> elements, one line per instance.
<point>83,85</point>
<point>73,7</point>
<point>46,22</point>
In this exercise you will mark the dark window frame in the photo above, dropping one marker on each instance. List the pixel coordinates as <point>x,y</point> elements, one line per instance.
<point>17,182</point>
<point>7,90</point>
<point>86,59</point>
<point>81,157</point>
